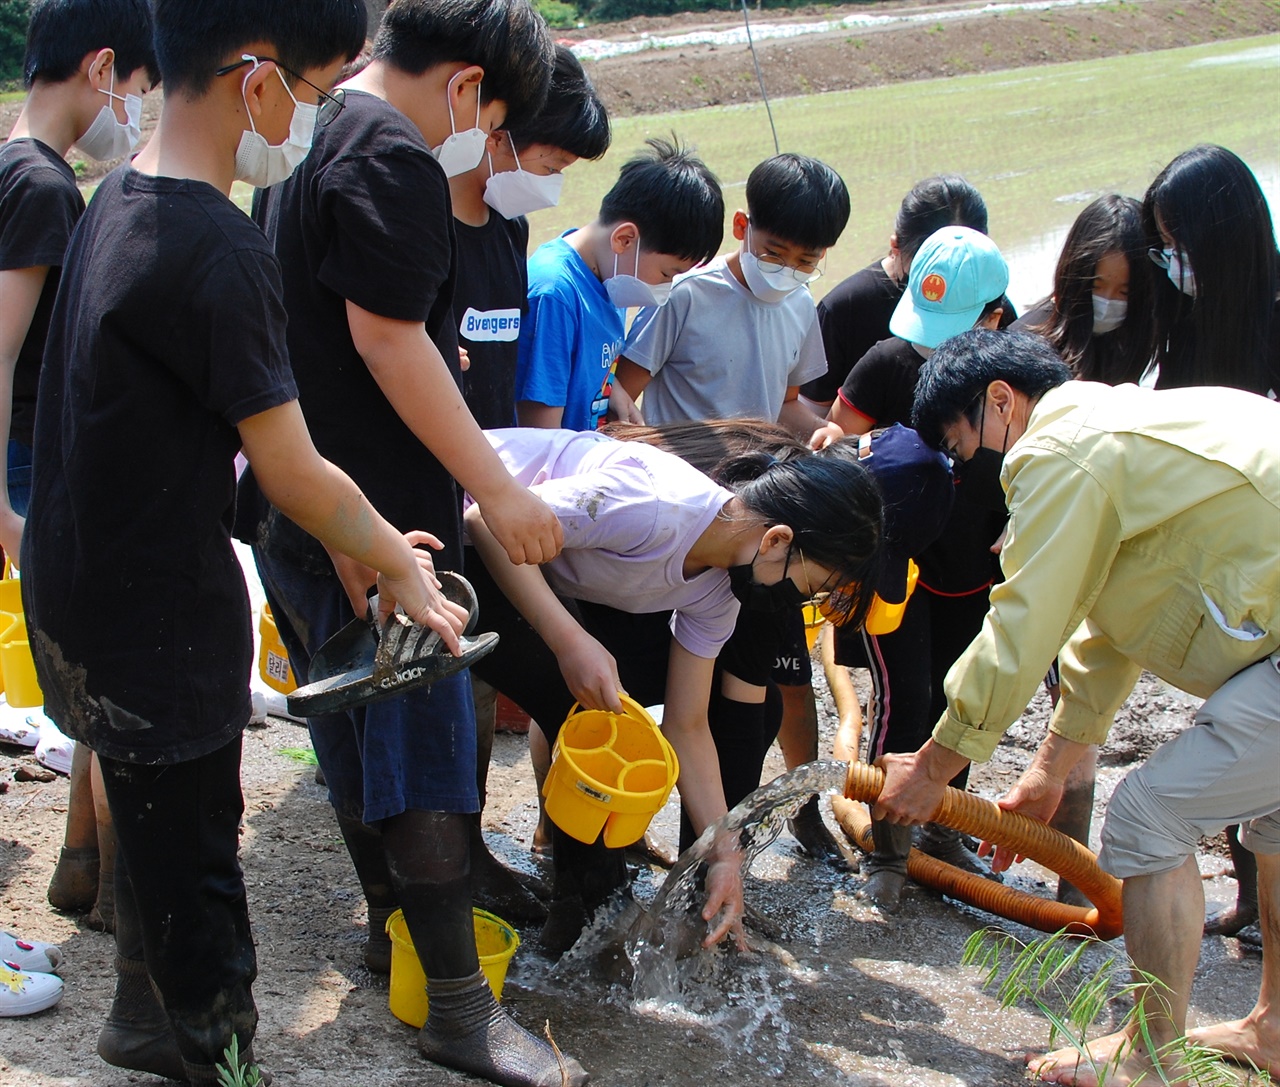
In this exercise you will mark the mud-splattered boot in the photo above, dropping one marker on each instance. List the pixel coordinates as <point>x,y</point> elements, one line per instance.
<point>886,867</point>
<point>949,845</point>
<point>136,1034</point>
<point>466,1029</point>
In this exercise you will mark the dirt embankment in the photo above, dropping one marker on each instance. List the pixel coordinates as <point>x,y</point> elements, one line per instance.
<point>688,77</point>
<point>691,76</point>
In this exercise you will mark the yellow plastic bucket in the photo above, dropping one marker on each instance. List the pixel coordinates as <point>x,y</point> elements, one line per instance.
<point>273,658</point>
<point>885,618</point>
<point>496,942</point>
<point>11,596</point>
<point>610,771</point>
<point>21,687</point>
<point>813,620</point>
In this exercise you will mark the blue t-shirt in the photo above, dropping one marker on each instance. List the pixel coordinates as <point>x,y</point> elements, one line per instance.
<point>570,338</point>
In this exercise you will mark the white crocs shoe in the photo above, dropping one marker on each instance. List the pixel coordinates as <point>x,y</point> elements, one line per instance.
<point>25,994</point>
<point>33,956</point>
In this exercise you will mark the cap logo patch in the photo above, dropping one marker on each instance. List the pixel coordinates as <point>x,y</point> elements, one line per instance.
<point>933,287</point>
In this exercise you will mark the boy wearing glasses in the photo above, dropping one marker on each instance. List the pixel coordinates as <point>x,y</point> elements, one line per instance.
<point>365,236</point>
<point>740,336</point>
<point>166,356</point>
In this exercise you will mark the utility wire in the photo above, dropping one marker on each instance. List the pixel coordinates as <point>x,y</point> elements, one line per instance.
<point>760,78</point>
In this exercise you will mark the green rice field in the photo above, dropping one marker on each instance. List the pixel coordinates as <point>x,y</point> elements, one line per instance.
<point>1038,143</point>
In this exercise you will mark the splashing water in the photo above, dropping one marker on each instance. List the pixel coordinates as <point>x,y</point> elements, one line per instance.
<point>738,998</point>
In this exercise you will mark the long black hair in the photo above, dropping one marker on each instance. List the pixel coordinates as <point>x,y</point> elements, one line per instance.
<point>1209,202</point>
<point>1111,224</point>
<point>828,499</point>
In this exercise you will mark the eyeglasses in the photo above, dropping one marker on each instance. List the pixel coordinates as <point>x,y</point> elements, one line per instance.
<point>816,599</point>
<point>773,264</point>
<point>330,103</point>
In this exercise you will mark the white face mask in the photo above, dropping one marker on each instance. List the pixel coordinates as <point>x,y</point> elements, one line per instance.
<point>461,151</point>
<point>1108,313</point>
<point>107,138</point>
<point>769,282</point>
<point>263,165</point>
<point>1180,273</point>
<point>517,192</point>
<point>626,291</point>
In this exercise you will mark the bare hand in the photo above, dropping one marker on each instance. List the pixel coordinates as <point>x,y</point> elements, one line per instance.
<point>464,358</point>
<point>915,783</point>
<point>998,546</point>
<point>417,592</point>
<point>1036,794</point>
<point>725,905</point>
<point>826,434</point>
<point>591,673</point>
<point>622,407</point>
<point>524,525</point>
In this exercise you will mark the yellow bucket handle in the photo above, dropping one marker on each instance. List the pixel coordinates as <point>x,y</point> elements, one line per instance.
<point>630,708</point>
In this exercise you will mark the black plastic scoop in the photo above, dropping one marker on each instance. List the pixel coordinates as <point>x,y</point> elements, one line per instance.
<point>361,664</point>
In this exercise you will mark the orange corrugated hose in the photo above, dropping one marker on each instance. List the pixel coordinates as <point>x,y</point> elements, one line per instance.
<point>1026,836</point>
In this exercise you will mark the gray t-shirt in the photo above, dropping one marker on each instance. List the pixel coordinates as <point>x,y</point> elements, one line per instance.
<point>717,352</point>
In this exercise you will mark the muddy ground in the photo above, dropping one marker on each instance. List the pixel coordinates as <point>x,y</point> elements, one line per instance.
<point>844,996</point>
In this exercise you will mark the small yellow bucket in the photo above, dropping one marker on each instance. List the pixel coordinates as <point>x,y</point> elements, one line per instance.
<point>496,942</point>
<point>885,618</point>
<point>21,687</point>
<point>273,658</point>
<point>813,620</point>
<point>11,595</point>
<point>610,771</point>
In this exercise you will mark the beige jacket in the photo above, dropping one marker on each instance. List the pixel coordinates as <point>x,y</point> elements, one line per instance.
<point>1144,532</point>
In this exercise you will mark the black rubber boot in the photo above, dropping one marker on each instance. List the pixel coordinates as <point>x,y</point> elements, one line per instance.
<point>466,1029</point>
<point>946,844</point>
<point>886,867</point>
<point>364,844</point>
<point>136,1034</point>
<point>811,832</point>
<point>512,895</point>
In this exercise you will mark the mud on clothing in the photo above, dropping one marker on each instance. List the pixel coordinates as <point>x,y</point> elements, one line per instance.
<point>168,333</point>
<point>39,207</point>
<point>490,297</point>
<point>570,339</point>
<point>716,351</point>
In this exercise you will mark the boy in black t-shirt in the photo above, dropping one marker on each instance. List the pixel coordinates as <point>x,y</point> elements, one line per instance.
<point>365,234</point>
<point>522,172</point>
<point>87,64</point>
<point>165,357</point>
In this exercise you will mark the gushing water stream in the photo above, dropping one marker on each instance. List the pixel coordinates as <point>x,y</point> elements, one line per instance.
<point>736,997</point>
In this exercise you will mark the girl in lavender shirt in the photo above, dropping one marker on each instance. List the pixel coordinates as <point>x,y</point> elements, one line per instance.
<point>649,535</point>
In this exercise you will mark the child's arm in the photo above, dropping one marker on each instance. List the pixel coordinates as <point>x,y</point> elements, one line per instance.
<point>684,723</point>
<point>795,415</point>
<point>323,500</point>
<point>19,295</point>
<point>589,669</point>
<point>414,379</point>
<point>631,377</point>
<point>532,414</point>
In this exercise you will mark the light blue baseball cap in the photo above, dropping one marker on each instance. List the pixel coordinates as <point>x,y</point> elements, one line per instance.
<point>954,274</point>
